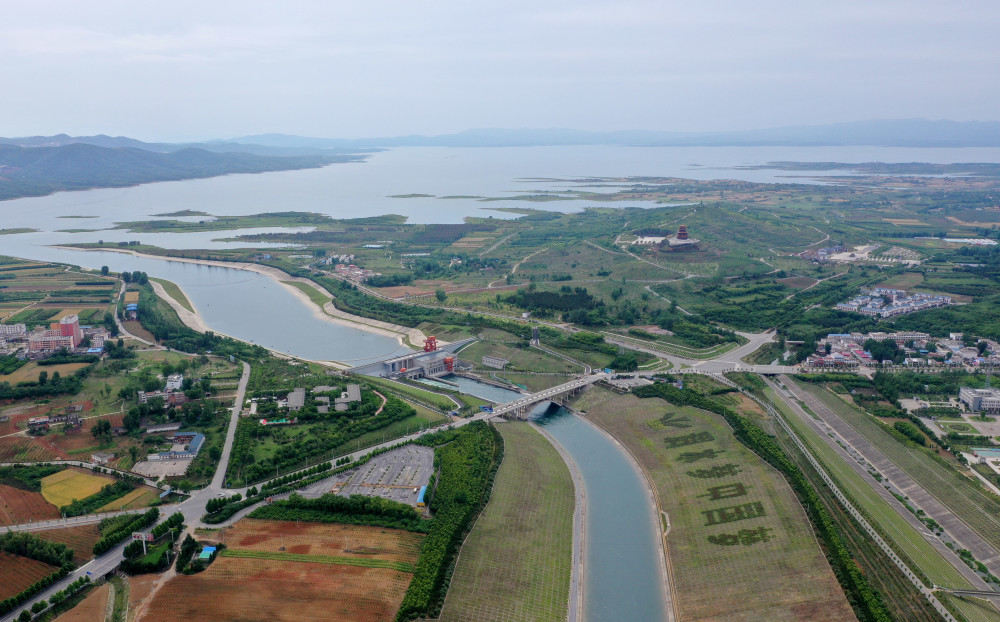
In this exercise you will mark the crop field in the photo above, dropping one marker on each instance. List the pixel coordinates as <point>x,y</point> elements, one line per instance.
<point>740,545</point>
<point>515,565</point>
<point>139,498</point>
<point>977,508</point>
<point>904,537</point>
<point>234,588</point>
<point>23,449</point>
<point>974,609</point>
<point>20,506</point>
<point>62,488</point>
<point>251,534</point>
<point>18,573</point>
<point>30,371</point>
<point>80,538</point>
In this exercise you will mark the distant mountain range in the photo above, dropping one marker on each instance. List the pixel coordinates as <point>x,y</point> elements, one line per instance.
<point>887,133</point>
<point>43,165</point>
<point>38,165</point>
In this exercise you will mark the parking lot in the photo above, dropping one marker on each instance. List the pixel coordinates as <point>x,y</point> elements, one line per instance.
<point>161,468</point>
<point>396,475</point>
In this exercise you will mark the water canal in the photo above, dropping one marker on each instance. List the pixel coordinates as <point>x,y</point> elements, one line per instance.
<point>623,578</point>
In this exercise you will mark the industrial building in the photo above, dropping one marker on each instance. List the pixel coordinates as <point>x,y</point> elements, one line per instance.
<point>980,400</point>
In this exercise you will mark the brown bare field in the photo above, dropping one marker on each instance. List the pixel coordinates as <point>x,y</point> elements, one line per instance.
<point>20,506</point>
<point>797,282</point>
<point>10,426</point>
<point>139,588</point>
<point>18,573</point>
<point>24,449</point>
<point>252,534</point>
<point>80,538</point>
<point>91,608</point>
<point>280,591</point>
<point>912,222</point>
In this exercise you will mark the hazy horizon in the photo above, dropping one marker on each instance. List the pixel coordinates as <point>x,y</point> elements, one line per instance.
<point>190,71</point>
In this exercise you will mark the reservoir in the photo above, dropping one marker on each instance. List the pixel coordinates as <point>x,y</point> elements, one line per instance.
<point>245,305</point>
<point>622,576</point>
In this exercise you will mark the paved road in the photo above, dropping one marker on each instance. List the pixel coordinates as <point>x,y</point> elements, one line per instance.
<point>234,417</point>
<point>918,496</point>
<point>823,433</point>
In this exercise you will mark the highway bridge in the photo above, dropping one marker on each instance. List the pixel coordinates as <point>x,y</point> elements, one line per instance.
<point>519,408</point>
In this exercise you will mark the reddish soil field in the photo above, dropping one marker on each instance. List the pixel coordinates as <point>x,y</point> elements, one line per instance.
<point>23,412</point>
<point>20,506</point>
<point>279,591</point>
<point>24,449</point>
<point>18,573</point>
<point>91,608</point>
<point>325,539</point>
<point>80,538</point>
<point>10,426</point>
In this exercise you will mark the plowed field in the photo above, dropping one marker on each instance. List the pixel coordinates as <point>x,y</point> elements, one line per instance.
<point>21,506</point>
<point>18,573</point>
<point>280,591</point>
<point>324,539</point>
<point>23,449</point>
<point>80,538</point>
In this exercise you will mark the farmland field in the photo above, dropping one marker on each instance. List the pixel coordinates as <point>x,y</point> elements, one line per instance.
<point>740,545</point>
<point>80,538</point>
<point>23,449</point>
<point>281,591</point>
<point>252,534</point>
<point>30,371</point>
<point>139,498</point>
<point>21,506</point>
<point>515,565</point>
<point>18,573</point>
<point>62,488</point>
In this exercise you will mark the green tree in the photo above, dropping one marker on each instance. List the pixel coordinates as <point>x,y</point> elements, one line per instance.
<point>104,271</point>
<point>101,428</point>
<point>43,377</point>
<point>441,295</point>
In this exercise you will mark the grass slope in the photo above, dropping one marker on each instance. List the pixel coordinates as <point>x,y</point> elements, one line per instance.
<point>515,565</point>
<point>783,578</point>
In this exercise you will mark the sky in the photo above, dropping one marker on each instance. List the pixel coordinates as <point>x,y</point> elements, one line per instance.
<point>184,70</point>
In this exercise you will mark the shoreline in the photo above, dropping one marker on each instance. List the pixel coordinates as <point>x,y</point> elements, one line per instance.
<point>328,312</point>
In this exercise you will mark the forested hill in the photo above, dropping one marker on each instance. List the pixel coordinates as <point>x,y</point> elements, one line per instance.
<point>34,171</point>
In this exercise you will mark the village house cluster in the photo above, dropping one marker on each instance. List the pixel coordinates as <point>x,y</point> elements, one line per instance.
<point>846,350</point>
<point>882,302</point>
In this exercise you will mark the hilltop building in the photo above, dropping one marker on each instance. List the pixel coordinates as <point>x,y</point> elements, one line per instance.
<point>682,241</point>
